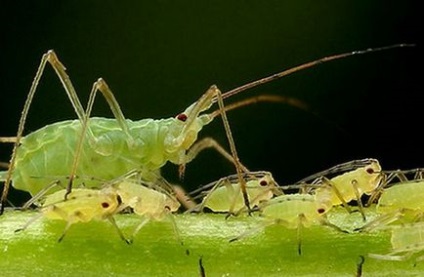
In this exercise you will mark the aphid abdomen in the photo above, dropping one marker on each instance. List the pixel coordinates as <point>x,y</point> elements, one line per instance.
<point>407,195</point>
<point>288,208</point>
<point>107,152</point>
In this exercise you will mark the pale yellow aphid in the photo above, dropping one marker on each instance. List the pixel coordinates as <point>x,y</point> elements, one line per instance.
<point>225,195</point>
<point>150,203</point>
<point>402,200</point>
<point>351,185</point>
<point>296,211</point>
<point>406,240</point>
<point>82,205</point>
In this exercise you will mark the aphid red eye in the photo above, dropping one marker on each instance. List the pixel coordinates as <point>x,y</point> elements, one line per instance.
<point>370,170</point>
<point>182,117</point>
<point>105,205</point>
<point>321,210</point>
<point>263,183</point>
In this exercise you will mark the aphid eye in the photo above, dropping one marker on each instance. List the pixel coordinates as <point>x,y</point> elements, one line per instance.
<point>182,117</point>
<point>370,170</point>
<point>263,183</point>
<point>105,205</point>
<point>321,210</point>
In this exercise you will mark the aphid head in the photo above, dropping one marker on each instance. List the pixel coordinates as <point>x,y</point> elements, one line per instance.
<point>172,204</point>
<point>190,122</point>
<point>372,177</point>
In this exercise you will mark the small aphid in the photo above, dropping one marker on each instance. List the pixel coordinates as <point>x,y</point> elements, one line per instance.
<point>82,205</point>
<point>296,211</point>
<point>406,240</point>
<point>351,185</point>
<point>400,201</point>
<point>150,203</point>
<point>226,197</point>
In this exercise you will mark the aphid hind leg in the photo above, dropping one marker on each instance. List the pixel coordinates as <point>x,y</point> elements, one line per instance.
<point>99,85</point>
<point>118,230</point>
<point>203,144</point>
<point>138,228</point>
<point>333,187</point>
<point>49,57</point>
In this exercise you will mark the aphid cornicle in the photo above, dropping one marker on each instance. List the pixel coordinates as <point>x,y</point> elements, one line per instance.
<point>107,148</point>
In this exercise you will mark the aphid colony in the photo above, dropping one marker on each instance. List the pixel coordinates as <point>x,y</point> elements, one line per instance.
<point>131,153</point>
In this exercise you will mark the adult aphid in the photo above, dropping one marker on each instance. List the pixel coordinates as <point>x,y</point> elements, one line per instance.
<point>107,148</point>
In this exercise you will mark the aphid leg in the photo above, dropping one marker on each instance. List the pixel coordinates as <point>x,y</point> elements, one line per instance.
<point>233,151</point>
<point>31,221</point>
<point>202,272</point>
<point>358,199</point>
<point>203,144</point>
<point>174,226</point>
<point>99,85</point>
<point>120,234</point>
<point>4,165</point>
<point>49,57</point>
<point>184,198</point>
<point>68,225</point>
<point>8,139</point>
<point>332,186</point>
<point>381,221</point>
<point>220,182</point>
<point>40,194</point>
<point>359,265</point>
<point>387,179</point>
<point>300,219</point>
<point>138,228</point>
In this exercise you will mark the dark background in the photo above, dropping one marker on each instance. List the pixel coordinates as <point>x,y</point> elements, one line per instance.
<point>160,56</point>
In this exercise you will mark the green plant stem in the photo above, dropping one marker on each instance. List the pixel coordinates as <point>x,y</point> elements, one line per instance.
<point>94,249</point>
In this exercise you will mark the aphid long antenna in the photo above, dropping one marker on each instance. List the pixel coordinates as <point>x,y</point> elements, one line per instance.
<point>234,154</point>
<point>262,98</point>
<point>308,65</point>
<point>338,168</point>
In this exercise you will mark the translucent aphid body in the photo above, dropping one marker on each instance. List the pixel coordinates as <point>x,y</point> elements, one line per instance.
<point>295,210</point>
<point>353,184</point>
<point>82,205</point>
<point>406,196</point>
<point>406,240</point>
<point>151,203</point>
<point>146,201</point>
<point>108,153</point>
<point>226,196</point>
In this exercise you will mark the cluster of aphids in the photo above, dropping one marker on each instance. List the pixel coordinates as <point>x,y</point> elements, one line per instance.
<point>395,195</point>
<point>93,168</point>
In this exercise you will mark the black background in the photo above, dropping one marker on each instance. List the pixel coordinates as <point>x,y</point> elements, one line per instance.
<point>160,56</point>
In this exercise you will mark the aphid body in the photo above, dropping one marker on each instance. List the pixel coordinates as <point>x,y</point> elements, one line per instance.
<point>226,196</point>
<point>406,240</point>
<point>82,205</point>
<point>353,184</point>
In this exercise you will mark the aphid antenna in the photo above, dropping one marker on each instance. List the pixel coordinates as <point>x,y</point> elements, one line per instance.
<point>309,65</point>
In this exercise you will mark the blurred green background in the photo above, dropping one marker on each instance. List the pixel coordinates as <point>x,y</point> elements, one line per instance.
<point>160,56</point>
